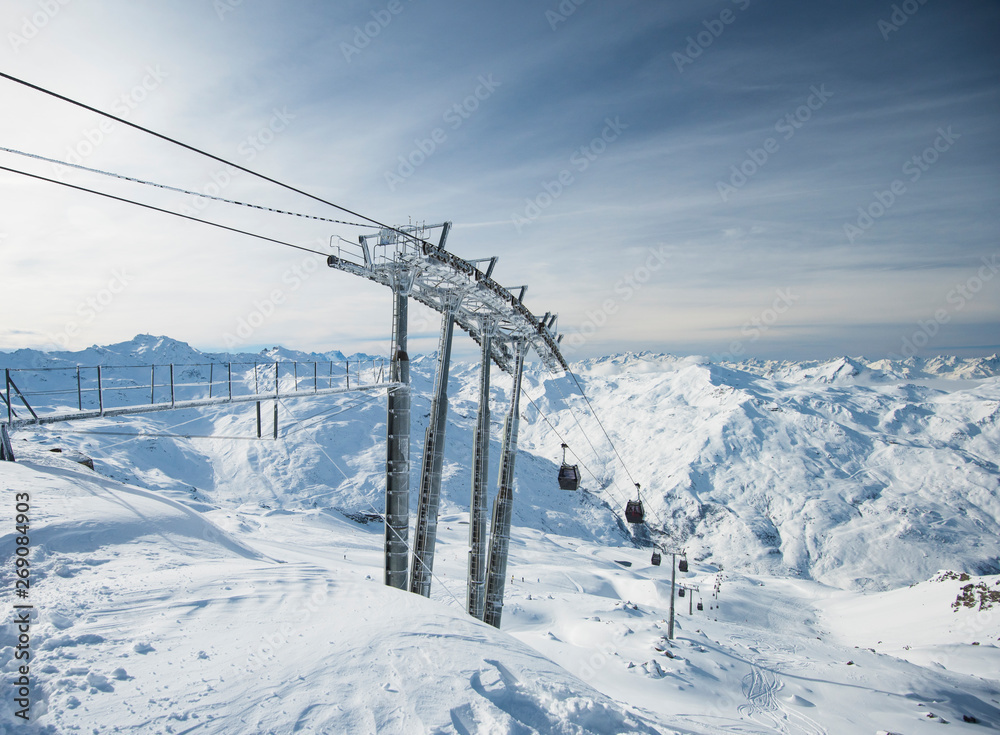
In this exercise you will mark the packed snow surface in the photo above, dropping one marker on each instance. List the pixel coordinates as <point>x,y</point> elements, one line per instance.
<point>202,580</point>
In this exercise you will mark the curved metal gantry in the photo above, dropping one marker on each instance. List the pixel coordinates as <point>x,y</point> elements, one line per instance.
<point>404,260</point>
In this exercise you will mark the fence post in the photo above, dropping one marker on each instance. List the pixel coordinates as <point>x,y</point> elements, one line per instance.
<point>100,391</point>
<point>171,384</point>
<point>10,411</point>
<point>211,377</point>
<point>348,363</point>
<point>6,450</point>
<point>79,390</point>
<point>230,379</point>
<point>315,377</point>
<point>152,384</point>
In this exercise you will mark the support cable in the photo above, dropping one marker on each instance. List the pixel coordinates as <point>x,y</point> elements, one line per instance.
<point>167,138</point>
<point>165,211</point>
<point>577,420</point>
<point>598,419</point>
<point>618,506</point>
<point>174,188</point>
<point>656,517</point>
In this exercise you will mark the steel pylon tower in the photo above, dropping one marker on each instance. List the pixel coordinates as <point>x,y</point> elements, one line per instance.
<point>397,463</point>
<point>468,298</point>
<point>480,481</point>
<point>503,507</point>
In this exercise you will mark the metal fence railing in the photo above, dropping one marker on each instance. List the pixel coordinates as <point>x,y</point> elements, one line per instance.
<point>41,392</point>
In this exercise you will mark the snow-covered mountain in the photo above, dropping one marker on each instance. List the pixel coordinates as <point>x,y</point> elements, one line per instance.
<point>821,471</point>
<point>146,349</point>
<point>817,503</point>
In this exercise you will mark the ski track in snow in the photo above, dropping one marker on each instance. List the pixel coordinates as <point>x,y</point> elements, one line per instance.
<point>761,687</point>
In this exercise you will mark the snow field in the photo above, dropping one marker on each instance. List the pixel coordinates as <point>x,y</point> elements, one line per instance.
<point>202,580</point>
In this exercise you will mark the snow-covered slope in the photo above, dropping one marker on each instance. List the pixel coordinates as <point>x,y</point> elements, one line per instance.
<point>821,474</point>
<point>149,618</point>
<point>202,580</point>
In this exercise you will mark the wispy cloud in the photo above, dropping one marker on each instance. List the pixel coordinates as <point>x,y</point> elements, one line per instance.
<point>656,184</point>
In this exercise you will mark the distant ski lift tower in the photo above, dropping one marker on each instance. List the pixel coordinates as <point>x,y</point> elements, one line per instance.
<point>412,267</point>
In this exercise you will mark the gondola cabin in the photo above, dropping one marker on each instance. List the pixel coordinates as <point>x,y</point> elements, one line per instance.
<point>633,511</point>
<point>655,560</point>
<point>682,565</point>
<point>569,477</point>
<point>700,606</point>
<point>681,593</point>
<point>569,474</point>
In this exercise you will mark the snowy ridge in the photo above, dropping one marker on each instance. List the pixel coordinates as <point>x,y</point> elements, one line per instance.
<point>911,368</point>
<point>146,349</point>
<point>857,484</point>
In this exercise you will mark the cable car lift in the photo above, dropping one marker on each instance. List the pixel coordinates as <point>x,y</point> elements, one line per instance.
<point>569,474</point>
<point>633,508</point>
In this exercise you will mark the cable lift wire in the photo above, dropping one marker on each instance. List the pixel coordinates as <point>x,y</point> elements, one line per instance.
<point>201,195</point>
<point>578,424</point>
<point>598,419</point>
<point>583,431</point>
<point>556,432</point>
<point>167,138</point>
<point>617,506</point>
<point>159,209</point>
<point>656,516</point>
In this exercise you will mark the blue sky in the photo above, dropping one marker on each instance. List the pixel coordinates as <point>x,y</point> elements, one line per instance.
<point>735,178</point>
